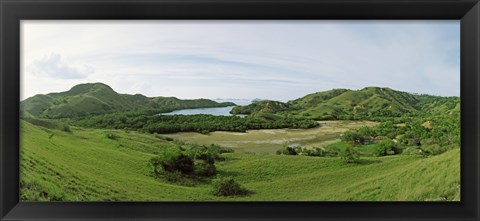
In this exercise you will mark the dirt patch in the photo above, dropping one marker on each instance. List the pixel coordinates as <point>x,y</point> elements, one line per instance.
<point>270,140</point>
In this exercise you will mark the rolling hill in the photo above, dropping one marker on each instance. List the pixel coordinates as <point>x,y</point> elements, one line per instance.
<point>99,98</point>
<point>265,106</point>
<point>85,165</point>
<point>357,104</point>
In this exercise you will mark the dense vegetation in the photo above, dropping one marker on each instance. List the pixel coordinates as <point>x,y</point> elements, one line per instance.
<point>413,136</point>
<point>97,98</point>
<point>425,136</point>
<point>184,123</point>
<point>186,163</point>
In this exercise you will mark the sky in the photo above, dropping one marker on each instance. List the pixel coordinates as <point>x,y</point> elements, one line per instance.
<point>278,60</point>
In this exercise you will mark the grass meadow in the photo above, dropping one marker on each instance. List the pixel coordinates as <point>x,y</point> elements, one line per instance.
<point>88,165</point>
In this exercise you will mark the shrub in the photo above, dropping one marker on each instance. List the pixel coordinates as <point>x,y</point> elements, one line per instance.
<point>317,152</point>
<point>171,161</point>
<point>287,150</point>
<point>111,136</point>
<point>385,147</point>
<point>209,153</point>
<point>189,161</point>
<point>349,155</point>
<point>333,150</point>
<point>66,128</point>
<point>204,169</point>
<point>228,187</point>
<point>411,138</point>
<point>181,163</point>
<point>431,150</point>
<point>362,136</point>
<point>206,156</point>
<point>412,150</point>
<point>304,151</point>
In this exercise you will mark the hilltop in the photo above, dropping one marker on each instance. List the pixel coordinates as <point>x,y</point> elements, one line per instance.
<point>99,98</point>
<point>356,104</point>
<point>265,106</point>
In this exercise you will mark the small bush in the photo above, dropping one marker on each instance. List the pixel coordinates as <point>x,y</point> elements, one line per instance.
<point>66,128</point>
<point>303,151</point>
<point>209,153</point>
<point>431,150</point>
<point>204,169</point>
<point>111,136</point>
<point>412,150</point>
<point>228,187</point>
<point>171,161</point>
<point>190,161</point>
<point>287,150</point>
<point>361,136</point>
<point>384,148</point>
<point>316,152</point>
<point>333,150</point>
<point>349,155</point>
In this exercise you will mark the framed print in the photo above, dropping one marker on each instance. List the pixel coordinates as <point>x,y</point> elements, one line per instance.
<point>239,110</point>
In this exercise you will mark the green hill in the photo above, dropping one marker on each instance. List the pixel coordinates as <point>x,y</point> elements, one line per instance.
<point>438,105</point>
<point>370,101</point>
<point>265,106</point>
<point>98,98</point>
<point>85,165</point>
<point>357,104</point>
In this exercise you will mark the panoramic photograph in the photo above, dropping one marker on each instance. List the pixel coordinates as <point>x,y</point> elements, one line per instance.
<point>180,110</point>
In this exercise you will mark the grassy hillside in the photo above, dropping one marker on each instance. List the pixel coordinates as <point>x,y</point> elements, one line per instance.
<point>265,106</point>
<point>98,98</point>
<point>86,165</point>
<point>357,104</point>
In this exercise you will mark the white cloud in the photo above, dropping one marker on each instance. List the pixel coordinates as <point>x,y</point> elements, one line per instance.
<point>246,59</point>
<point>53,67</point>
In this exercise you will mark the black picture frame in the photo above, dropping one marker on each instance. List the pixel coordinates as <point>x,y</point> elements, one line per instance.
<point>12,11</point>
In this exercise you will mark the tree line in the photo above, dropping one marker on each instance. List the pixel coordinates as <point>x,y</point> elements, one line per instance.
<point>201,123</point>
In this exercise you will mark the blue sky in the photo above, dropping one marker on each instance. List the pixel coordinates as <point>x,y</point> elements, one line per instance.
<point>280,60</point>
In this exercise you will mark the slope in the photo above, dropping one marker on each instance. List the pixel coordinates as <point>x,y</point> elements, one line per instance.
<point>85,165</point>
